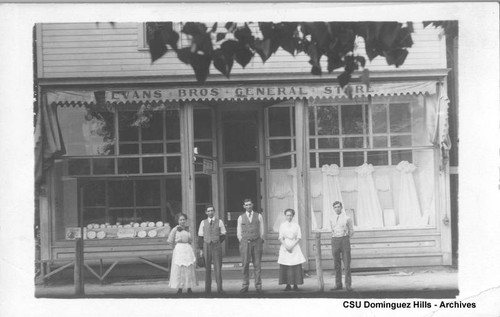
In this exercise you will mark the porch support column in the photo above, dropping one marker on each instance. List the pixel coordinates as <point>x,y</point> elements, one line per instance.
<point>46,200</point>
<point>302,146</point>
<point>187,164</point>
<point>444,210</point>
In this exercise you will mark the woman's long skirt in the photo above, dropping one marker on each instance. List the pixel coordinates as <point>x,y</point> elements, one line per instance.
<point>291,274</point>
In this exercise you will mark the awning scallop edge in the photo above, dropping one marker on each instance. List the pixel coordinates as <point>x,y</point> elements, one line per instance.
<point>131,96</point>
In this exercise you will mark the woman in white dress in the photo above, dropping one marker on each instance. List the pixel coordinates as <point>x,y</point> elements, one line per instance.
<point>290,256</point>
<point>182,271</point>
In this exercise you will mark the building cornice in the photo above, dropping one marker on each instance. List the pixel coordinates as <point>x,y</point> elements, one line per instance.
<point>187,80</point>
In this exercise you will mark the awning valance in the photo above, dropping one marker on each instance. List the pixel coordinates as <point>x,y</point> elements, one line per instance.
<point>235,92</point>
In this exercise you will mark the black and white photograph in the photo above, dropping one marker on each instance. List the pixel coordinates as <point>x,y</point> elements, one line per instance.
<point>277,159</point>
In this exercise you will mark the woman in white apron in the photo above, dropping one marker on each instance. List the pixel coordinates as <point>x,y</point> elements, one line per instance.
<point>290,255</point>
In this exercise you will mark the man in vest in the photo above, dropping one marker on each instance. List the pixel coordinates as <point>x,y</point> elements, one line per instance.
<point>211,234</point>
<point>250,232</point>
<point>342,230</point>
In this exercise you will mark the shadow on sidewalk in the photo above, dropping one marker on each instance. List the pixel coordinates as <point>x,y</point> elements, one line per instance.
<point>426,294</point>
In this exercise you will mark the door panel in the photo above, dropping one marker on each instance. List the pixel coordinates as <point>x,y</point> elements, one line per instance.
<point>240,136</point>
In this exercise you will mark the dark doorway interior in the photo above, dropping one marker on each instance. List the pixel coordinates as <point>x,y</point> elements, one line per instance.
<point>239,184</point>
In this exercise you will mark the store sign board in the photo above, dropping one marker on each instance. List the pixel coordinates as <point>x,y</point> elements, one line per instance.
<point>240,92</point>
<point>208,166</point>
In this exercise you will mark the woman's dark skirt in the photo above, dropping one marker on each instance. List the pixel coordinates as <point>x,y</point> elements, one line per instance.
<point>291,274</point>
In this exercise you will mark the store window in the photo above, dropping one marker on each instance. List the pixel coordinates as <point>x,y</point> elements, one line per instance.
<point>149,144</point>
<point>280,162</point>
<point>377,158</point>
<point>122,169</point>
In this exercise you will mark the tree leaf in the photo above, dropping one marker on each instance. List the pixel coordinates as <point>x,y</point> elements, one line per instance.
<point>348,91</point>
<point>230,26</point>
<point>288,44</point>
<point>184,55</point>
<point>344,78</point>
<point>350,64</point>
<point>316,70</point>
<point>201,66</point>
<point>243,55</point>
<point>396,57</point>
<point>388,34</point>
<point>222,63</point>
<point>244,35</point>
<point>404,38</point>
<point>171,38</point>
<point>263,48</point>
<point>203,43</point>
<point>334,62</point>
<point>365,77</point>
<point>267,29</point>
<point>229,48</point>
<point>220,36</point>
<point>157,46</point>
<point>360,60</point>
<point>409,25</point>
<point>194,28</point>
<point>214,28</point>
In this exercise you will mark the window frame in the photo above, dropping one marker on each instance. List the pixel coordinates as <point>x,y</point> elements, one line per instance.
<point>368,134</point>
<point>117,156</point>
<point>292,138</point>
<point>108,209</point>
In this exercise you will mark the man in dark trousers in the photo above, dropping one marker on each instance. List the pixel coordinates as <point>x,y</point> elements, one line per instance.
<point>250,232</point>
<point>211,234</point>
<point>342,231</point>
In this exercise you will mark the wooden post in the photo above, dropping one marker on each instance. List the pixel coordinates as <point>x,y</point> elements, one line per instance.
<point>78,272</point>
<point>79,289</point>
<point>319,270</point>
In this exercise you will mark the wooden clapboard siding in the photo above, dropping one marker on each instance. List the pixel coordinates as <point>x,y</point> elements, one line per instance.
<point>73,50</point>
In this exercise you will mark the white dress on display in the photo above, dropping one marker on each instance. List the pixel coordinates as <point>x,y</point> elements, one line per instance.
<point>409,206</point>
<point>282,195</point>
<point>368,210</point>
<point>331,191</point>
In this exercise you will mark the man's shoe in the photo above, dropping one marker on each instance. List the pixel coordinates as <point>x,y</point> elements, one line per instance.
<point>295,288</point>
<point>179,291</point>
<point>337,288</point>
<point>244,290</point>
<point>348,288</point>
<point>189,291</point>
<point>221,292</point>
<point>259,290</point>
<point>287,288</point>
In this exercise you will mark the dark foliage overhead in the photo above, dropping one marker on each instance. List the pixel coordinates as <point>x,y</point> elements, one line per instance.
<point>335,40</point>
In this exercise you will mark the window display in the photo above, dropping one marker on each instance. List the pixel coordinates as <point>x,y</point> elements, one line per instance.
<point>377,158</point>
<point>120,181</point>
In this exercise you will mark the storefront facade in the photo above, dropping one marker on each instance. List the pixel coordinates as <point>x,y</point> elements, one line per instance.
<point>141,149</point>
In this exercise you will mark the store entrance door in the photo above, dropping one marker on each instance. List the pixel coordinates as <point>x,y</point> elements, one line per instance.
<point>239,184</point>
<point>241,168</point>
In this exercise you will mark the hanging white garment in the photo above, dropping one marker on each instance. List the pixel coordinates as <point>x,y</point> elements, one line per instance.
<point>368,210</point>
<point>409,206</point>
<point>331,191</point>
<point>282,196</point>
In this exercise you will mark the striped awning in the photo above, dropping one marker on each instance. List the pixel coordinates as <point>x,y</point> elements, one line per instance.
<point>235,92</point>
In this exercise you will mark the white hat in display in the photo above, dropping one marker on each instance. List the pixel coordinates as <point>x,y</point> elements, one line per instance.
<point>91,234</point>
<point>152,233</point>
